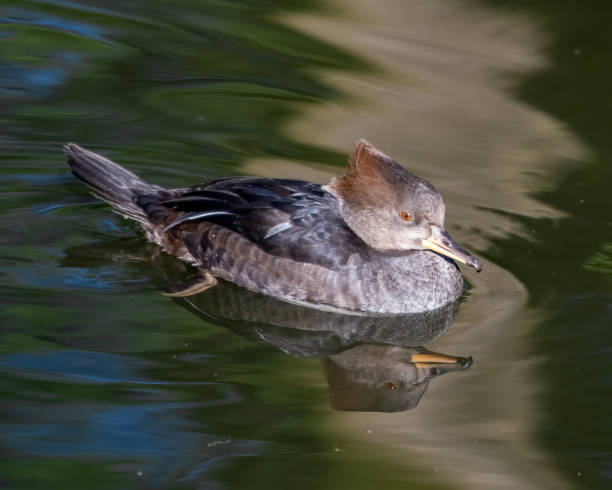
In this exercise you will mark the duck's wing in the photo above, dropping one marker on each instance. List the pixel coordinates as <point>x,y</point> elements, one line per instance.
<point>287,218</point>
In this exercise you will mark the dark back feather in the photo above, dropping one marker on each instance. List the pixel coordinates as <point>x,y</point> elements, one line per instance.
<point>287,218</point>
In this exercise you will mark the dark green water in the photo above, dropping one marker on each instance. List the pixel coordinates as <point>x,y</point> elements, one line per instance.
<point>106,383</point>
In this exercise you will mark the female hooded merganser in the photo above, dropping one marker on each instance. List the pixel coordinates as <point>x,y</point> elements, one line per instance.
<point>372,240</point>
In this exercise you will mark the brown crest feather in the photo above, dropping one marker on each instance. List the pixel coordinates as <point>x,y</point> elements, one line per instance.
<point>364,181</point>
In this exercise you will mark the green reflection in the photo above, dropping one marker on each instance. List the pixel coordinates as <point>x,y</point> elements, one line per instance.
<point>567,264</point>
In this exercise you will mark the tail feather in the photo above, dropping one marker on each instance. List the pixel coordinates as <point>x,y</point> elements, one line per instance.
<point>111,182</point>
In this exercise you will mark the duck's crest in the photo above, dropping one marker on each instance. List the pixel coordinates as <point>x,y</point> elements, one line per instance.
<point>368,177</point>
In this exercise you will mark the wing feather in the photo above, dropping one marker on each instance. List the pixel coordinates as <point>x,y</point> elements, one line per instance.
<point>287,218</point>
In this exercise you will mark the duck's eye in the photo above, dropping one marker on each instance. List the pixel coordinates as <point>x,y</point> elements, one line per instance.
<point>405,216</point>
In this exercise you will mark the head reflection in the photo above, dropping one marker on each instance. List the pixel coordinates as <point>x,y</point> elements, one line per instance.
<point>385,378</point>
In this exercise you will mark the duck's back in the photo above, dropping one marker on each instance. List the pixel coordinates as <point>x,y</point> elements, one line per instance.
<point>285,218</point>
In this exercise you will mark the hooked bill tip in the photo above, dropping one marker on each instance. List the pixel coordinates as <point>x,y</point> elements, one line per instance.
<point>475,263</point>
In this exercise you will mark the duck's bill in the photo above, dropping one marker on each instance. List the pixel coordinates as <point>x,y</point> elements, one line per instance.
<point>442,243</point>
<point>440,363</point>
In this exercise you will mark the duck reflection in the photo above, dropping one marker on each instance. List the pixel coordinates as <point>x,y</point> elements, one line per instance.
<point>371,363</point>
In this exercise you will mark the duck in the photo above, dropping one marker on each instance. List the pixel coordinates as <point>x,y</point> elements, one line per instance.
<point>371,241</point>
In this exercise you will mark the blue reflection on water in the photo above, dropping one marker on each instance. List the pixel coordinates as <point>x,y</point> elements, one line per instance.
<point>100,430</point>
<point>39,275</point>
<point>33,82</point>
<point>162,442</point>
<point>39,179</point>
<point>98,367</point>
<point>86,366</point>
<point>158,436</point>
<point>41,19</point>
<point>19,79</point>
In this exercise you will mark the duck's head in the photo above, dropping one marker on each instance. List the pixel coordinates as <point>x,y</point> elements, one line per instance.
<point>391,209</point>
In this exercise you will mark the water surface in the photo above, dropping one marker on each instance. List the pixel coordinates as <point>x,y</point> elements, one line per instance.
<point>106,383</point>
